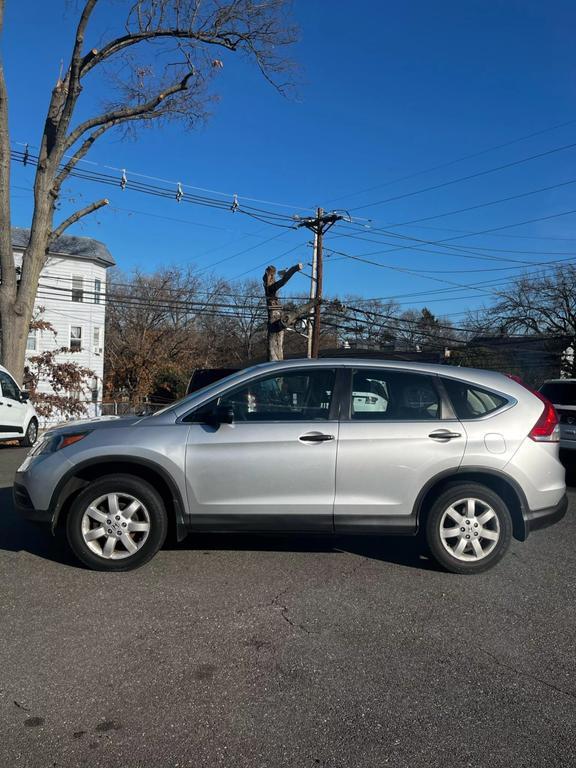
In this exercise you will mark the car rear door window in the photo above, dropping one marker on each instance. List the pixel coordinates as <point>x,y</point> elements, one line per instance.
<point>391,395</point>
<point>470,401</point>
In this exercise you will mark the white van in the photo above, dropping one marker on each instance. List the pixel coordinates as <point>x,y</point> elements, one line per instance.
<point>18,419</point>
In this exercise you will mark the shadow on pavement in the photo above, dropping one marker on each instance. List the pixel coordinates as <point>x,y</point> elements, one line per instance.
<point>18,535</point>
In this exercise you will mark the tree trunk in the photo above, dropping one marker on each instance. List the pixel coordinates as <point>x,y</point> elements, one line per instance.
<point>275,343</point>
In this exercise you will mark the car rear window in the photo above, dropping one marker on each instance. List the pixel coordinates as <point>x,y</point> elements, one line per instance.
<point>470,401</point>
<point>390,395</point>
<point>561,392</point>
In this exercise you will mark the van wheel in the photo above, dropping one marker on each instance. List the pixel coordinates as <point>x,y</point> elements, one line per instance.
<point>117,523</point>
<point>469,528</point>
<point>31,435</point>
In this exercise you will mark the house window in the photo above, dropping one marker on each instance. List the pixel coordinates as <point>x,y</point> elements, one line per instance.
<point>97,345</point>
<point>32,341</point>
<point>75,338</point>
<point>97,290</point>
<point>77,288</point>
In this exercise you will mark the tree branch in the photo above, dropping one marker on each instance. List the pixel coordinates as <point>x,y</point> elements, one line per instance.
<point>127,113</point>
<point>272,286</point>
<point>95,57</point>
<point>55,234</point>
<point>74,70</point>
<point>289,318</point>
<point>286,277</point>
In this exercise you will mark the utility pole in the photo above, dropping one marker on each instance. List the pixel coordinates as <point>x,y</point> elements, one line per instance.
<point>319,275</point>
<point>318,225</point>
<point>312,294</point>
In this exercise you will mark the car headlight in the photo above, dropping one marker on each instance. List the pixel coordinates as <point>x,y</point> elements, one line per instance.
<point>52,443</point>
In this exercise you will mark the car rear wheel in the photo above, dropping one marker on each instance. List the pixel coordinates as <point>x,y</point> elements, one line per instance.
<point>469,528</point>
<point>31,435</point>
<point>117,523</point>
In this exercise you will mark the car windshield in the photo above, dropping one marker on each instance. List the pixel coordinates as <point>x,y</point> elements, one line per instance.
<point>563,392</point>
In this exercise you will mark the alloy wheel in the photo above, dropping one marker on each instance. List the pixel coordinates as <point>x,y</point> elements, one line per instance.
<point>115,526</point>
<point>469,529</point>
<point>32,432</point>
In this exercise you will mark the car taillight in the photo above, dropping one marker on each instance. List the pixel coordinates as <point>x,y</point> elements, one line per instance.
<point>546,429</point>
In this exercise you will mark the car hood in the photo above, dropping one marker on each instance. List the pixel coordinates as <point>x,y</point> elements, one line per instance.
<point>99,422</point>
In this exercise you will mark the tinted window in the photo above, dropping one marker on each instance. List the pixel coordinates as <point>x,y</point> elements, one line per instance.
<point>393,395</point>
<point>291,396</point>
<point>9,388</point>
<point>562,392</point>
<point>471,402</point>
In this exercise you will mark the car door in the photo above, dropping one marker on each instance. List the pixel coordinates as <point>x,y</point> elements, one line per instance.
<point>274,466</point>
<point>394,437</point>
<point>12,410</point>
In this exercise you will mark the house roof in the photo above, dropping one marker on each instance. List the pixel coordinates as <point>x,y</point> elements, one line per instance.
<point>69,245</point>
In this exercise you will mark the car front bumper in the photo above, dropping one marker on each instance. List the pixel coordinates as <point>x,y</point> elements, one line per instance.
<point>542,518</point>
<point>26,509</point>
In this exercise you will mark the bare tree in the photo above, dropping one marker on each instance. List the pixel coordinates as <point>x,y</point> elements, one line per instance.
<point>542,305</point>
<point>150,329</point>
<point>247,332</point>
<point>158,67</point>
<point>280,318</point>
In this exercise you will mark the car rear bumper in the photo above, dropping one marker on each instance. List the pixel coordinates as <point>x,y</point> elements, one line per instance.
<point>26,509</point>
<point>542,518</point>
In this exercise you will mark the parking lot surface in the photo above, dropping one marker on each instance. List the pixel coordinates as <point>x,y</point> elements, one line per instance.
<point>302,651</point>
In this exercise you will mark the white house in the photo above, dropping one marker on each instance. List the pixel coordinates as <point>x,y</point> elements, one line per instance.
<point>71,296</point>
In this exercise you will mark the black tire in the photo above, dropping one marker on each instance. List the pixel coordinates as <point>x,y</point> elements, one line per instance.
<point>31,434</point>
<point>123,485</point>
<point>499,525</point>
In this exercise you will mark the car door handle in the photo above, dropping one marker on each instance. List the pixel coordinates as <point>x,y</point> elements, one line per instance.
<point>444,435</point>
<point>9,405</point>
<point>315,437</point>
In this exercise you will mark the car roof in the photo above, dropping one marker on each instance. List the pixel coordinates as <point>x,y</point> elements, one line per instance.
<point>355,362</point>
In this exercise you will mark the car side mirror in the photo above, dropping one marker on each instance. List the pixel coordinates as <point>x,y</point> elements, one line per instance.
<point>24,396</point>
<point>221,414</point>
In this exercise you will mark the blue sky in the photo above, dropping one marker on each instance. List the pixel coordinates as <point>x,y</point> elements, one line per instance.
<point>386,90</point>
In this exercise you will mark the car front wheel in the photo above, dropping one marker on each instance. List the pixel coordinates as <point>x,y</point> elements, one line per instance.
<point>469,528</point>
<point>31,435</point>
<point>117,523</point>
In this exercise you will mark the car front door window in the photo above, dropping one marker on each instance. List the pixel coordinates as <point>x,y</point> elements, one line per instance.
<point>290,396</point>
<point>8,386</point>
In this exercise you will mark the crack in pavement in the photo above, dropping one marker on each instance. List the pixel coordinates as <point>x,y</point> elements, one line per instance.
<point>520,673</point>
<point>284,611</point>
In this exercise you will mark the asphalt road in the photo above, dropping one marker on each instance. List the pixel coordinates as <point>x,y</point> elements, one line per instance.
<point>263,652</point>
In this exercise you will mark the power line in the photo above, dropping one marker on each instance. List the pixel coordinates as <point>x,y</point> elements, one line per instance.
<point>484,205</point>
<point>507,236</point>
<point>268,217</point>
<point>128,174</point>
<point>455,161</point>
<point>468,177</point>
<point>468,234</point>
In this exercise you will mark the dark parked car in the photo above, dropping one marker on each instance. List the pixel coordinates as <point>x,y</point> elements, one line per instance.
<point>562,394</point>
<point>202,377</point>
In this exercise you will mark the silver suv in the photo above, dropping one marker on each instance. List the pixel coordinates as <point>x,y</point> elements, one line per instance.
<point>348,447</point>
